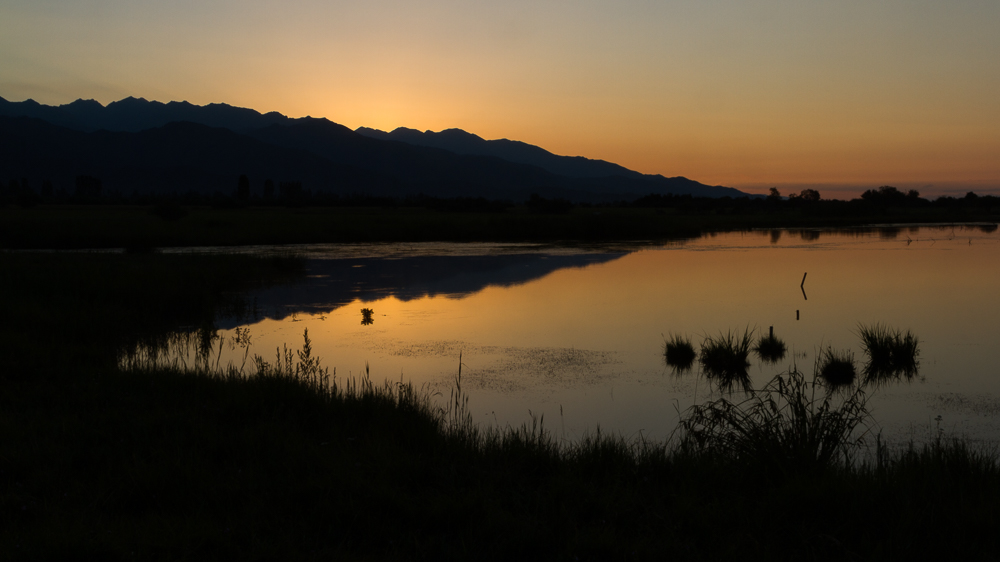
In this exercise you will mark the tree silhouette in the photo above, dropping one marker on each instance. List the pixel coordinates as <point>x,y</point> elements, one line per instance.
<point>885,195</point>
<point>809,195</point>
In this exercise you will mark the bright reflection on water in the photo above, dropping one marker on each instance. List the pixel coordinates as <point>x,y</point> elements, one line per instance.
<point>577,335</point>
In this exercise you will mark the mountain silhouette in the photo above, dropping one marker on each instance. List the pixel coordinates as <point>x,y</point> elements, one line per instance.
<point>176,158</point>
<point>461,142</point>
<point>135,145</point>
<point>137,114</point>
<point>595,173</point>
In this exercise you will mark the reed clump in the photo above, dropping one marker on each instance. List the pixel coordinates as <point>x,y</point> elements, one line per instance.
<point>892,354</point>
<point>837,368</point>
<point>724,360</point>
<point>679,353</point>
<point>770,348</point>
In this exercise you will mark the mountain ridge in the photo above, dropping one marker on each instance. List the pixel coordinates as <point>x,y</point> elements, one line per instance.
<point>463,142</point>
<point>404,162</point>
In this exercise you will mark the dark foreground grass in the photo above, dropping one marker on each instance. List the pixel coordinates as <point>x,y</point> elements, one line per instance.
<point>154,464</point>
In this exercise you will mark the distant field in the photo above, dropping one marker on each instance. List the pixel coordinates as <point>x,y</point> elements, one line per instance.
<point>139,227</point>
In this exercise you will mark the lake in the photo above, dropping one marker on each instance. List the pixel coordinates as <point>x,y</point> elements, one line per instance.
<point>575,334</point>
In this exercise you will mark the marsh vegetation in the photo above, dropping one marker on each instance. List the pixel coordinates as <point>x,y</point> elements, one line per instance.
<point>679,353</point>
<point>724,360</point>
<point>282,458</point>
<point>837,367</point>
<point>770,348</point>
<point>892,354</point>
<point>277,457</point>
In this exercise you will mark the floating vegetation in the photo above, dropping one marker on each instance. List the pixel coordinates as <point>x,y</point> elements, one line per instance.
<point>783,428</point>
<point>724,360</point>
<point>366,317</point>
<point>770,349</point>
<point>679,353</point>
<point>892,354</point>
<point>837,368</point>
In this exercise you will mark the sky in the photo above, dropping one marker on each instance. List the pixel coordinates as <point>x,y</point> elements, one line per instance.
<point>839,95</point>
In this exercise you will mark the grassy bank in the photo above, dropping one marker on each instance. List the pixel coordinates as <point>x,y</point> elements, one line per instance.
<point>116,226</point>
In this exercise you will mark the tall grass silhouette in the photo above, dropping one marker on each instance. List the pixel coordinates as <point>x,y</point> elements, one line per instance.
<point>791,425</point>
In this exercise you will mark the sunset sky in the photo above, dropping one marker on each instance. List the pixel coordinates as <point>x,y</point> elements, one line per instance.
<point>840,94</point>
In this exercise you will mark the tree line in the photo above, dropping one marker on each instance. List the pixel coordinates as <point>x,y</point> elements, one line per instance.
<point>88,189</point>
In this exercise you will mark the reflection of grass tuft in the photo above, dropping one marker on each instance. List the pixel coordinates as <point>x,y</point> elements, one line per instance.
<point>891,353</point>
<point>770,349</point>
<point>724,360</point>
<point>366,316</point>
<point>837,367</point>
<point>679,353</point>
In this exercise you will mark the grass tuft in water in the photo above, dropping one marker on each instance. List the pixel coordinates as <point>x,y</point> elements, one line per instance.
<point>892,354</point>
<point>837,368</point>
<point>724,360</point>
<point>770,349</point>
<point>679,353</point>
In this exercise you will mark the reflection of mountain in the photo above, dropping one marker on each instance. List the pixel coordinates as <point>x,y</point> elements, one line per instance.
<point>332,284</point>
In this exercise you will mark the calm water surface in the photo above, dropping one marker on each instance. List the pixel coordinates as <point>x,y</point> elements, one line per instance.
<point>577,334</point>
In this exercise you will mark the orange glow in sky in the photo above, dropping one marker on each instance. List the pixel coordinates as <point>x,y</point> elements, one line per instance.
<point>745,94</point>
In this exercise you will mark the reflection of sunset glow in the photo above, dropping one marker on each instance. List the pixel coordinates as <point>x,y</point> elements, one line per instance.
<point>590,340</point>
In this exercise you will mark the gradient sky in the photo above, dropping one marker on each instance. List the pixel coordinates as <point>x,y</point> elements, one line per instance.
<point>748,94</point>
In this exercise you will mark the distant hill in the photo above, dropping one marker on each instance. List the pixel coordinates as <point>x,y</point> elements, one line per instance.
<point>135,145</point>
<point>176,158</point>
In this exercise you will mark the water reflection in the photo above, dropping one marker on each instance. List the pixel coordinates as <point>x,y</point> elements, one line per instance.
<point>892,354</point>
<point>770,349</point>
<point>883,232</point>
<point>366,316</point>
<point>584,330</point>
<point>333,283</point>
<point>724,359</point>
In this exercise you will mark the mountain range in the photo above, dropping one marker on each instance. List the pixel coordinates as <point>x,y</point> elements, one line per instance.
<point>139,146</point>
